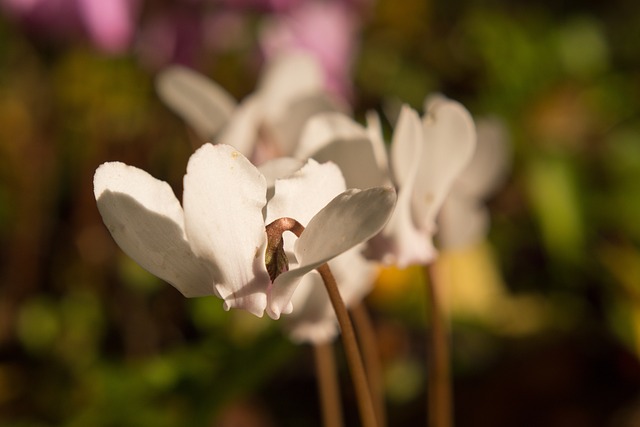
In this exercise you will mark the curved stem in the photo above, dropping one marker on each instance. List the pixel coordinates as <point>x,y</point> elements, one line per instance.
<point>367,337</point>
<point>354,359</point>
<point>438,369</point>
<point>328,386</point>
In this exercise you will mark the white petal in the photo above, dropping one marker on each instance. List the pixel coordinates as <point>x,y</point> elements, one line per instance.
<point>312,319</point>
<point>286,78</point>
<point>335,137</point>
<point>402,242</point>
<point>282,167</point>
<point>433,100</point>
<point>200,102</point>
<point>242,130</point>
<point>462,222</point>
<point>490,161</point>
<point>354,274</point>
<point>325,127</point>
<point>303,194</point>
<point>374,129</point>
<point>146,220</point>
<point>223,199</point>
<point>348,220</point>
<point>449,142</point>
<point>407,146</point>
<point>287,126</point>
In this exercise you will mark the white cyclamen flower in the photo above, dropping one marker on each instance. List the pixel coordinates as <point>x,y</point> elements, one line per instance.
<point>299,196</point>
<point>427,154</point>
<point>215,243</point>
<point>267,124</point>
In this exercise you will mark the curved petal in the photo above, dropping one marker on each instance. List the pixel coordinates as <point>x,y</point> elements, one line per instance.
<point>490,161</point>
<point>402,242</point>
<point>374,129</point>
<point>335,137</point>
<point>449,142</point>
<point>287,77</point>
<point>303,194</point>
<point>348,220</point>
<point>406,146</point>
<point>324,128</point>
<point>288,124</point>
<point>223,199</point>
<point>146,220</point>
<point>275,169</point>
<point>462,221</point>
<point>242,129</point>
<point>354,274</point>
<point>200,102</point>
<point>312,319</point>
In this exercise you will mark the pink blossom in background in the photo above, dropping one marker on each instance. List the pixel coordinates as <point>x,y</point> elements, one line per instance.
<point>109,24</point>
<point>324,29</point>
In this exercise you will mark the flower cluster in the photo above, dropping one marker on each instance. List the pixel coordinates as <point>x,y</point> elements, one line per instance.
<point>215,243</point>
<point>311,156</point>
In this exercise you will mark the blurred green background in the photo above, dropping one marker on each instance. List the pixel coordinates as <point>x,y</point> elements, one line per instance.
<point>546,312</point>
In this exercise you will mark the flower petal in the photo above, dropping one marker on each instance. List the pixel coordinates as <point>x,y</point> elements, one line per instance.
<point>449,141</point>
<point>303,194</point>
<point>146,220</point>
<point>286,78</point>
<point>223,199</point>
<point>281,167</point>
<point>312,319</point>
<point>462,222</point>
<point>402,242</point>
<point>490,161</point>
<point>287,126</point>
<point>348,220</point>
<point>325,127</point>
<point>335,137</point>
<point>406,146</point>
<point>200,102</point>
<point>242,130</point>
<point>374,129</point>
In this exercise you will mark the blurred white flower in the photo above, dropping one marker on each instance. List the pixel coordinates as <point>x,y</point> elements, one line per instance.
<point>216,244</point>
<point>464,218</point>
<point>268,123</point>
<point>426,157</point>
<point>327,30</point>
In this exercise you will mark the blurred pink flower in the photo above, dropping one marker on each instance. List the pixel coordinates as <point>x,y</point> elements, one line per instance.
<point>110,25</point>
<point>325,30</point>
